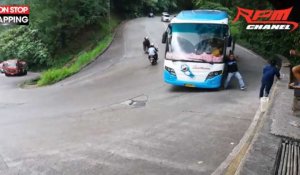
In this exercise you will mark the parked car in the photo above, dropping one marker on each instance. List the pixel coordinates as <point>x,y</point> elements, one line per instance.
<point>1,67</point>
<point>165,17</point>
<point>14,67</point>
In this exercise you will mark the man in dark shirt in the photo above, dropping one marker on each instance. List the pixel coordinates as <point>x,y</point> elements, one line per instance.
<point>146,44</point>
<point>267,80</point>
<point>232,69</point>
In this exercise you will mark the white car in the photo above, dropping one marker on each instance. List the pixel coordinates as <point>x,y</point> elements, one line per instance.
<point>165,17</point>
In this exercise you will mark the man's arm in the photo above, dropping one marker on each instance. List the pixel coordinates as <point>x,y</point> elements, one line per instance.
<point>293,52</point>
<point>277,73</point>
<point>236,57</point>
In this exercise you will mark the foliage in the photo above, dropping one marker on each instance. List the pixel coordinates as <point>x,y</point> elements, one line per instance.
<point>23,43</point>
<point>135,8</point>
<point>4,2</point>
<point>266,43</point>
<point>56,24</point>
<point>54,75</point>
<point>212,5</point>
<point>235,27</point>
<point>58,21</point>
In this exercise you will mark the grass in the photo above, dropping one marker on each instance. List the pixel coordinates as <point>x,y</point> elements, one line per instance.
<point>57,74</point>
<point>68,65</point>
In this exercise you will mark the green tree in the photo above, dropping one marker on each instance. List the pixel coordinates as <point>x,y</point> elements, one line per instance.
<point>23,43</point>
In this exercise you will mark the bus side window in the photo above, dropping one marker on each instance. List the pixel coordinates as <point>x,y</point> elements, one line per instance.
<point>169,29</point>
<point>169,44</point>
<point>166,34</point>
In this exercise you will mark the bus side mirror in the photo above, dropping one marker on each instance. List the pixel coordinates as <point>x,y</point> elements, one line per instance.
<point>164,37</point>
<point>229,41</point>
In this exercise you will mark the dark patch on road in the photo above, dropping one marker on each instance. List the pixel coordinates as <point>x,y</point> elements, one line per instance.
<point>138,101</point>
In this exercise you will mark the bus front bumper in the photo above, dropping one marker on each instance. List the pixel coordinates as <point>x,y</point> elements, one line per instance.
<point>211,83</point>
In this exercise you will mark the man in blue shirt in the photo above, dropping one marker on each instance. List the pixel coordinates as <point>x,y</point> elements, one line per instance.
<point>269,72</point>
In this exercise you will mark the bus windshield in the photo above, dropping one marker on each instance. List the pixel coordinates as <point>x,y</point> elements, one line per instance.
<point>197,42</point>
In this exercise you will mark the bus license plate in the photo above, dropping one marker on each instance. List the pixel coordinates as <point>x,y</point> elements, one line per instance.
<point>189,85</point>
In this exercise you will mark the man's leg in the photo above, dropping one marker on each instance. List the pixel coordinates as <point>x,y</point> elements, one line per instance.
<point>268,88</point>
<point>262,89</point>
<point>240,79</point>
<point>144,47</point>
<point>229,76</point>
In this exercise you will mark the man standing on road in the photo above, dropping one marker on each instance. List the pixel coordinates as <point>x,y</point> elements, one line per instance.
<point>146,44</point>
<point>233,71</point>
<point>267,80</point>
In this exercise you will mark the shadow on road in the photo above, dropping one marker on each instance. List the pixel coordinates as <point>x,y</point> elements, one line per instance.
<point>191,90</point>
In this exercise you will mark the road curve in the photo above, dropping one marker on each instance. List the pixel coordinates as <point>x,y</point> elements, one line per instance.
<point>117,116</point>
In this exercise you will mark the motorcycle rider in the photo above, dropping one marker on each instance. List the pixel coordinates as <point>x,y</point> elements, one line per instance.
<point>146,44</point>
<point>152,51</point>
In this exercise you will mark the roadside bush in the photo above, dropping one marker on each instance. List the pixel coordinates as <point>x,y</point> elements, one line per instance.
<point>54,75</point>
<point>23,43</point>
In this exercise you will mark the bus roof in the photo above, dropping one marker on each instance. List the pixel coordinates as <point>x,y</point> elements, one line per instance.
<point>201,16</point>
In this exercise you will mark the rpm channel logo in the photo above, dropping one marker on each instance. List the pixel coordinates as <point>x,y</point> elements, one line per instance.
<point>267,19</point>
<point>14,14</point>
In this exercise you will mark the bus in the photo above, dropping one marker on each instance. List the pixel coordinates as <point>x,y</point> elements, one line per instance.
<point>196,45</point>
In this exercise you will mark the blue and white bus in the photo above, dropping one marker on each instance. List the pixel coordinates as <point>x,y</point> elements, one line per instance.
<point>196,44</point>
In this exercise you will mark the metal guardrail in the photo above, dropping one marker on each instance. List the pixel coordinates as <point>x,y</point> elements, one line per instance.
<point>288,158</point>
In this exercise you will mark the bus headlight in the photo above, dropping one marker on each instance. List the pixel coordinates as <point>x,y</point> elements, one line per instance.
<point>170,70</point>
<point>213,74</point>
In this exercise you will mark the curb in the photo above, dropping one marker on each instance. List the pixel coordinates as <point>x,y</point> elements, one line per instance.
<point>272,97</point>
<point>260,124</point>
<point>259,127</point>
<point>234,161</point>
<point>239,150</point>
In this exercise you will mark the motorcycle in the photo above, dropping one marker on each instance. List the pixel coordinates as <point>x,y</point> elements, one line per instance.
<point>152,54</point>
<point>153,59</point>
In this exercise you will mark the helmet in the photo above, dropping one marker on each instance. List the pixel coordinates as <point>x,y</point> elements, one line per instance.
<point>152,45</point>
<point>146,38</point>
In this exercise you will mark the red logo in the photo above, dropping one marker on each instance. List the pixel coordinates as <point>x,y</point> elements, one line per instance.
<point>14,14</point>
<point>267,19</point>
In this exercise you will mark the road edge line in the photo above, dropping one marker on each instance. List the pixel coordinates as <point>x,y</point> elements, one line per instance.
<point>246,141</point>
<point>237,149</point>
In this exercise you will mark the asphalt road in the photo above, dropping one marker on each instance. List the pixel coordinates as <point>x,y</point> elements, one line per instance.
<point>118,117</point>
